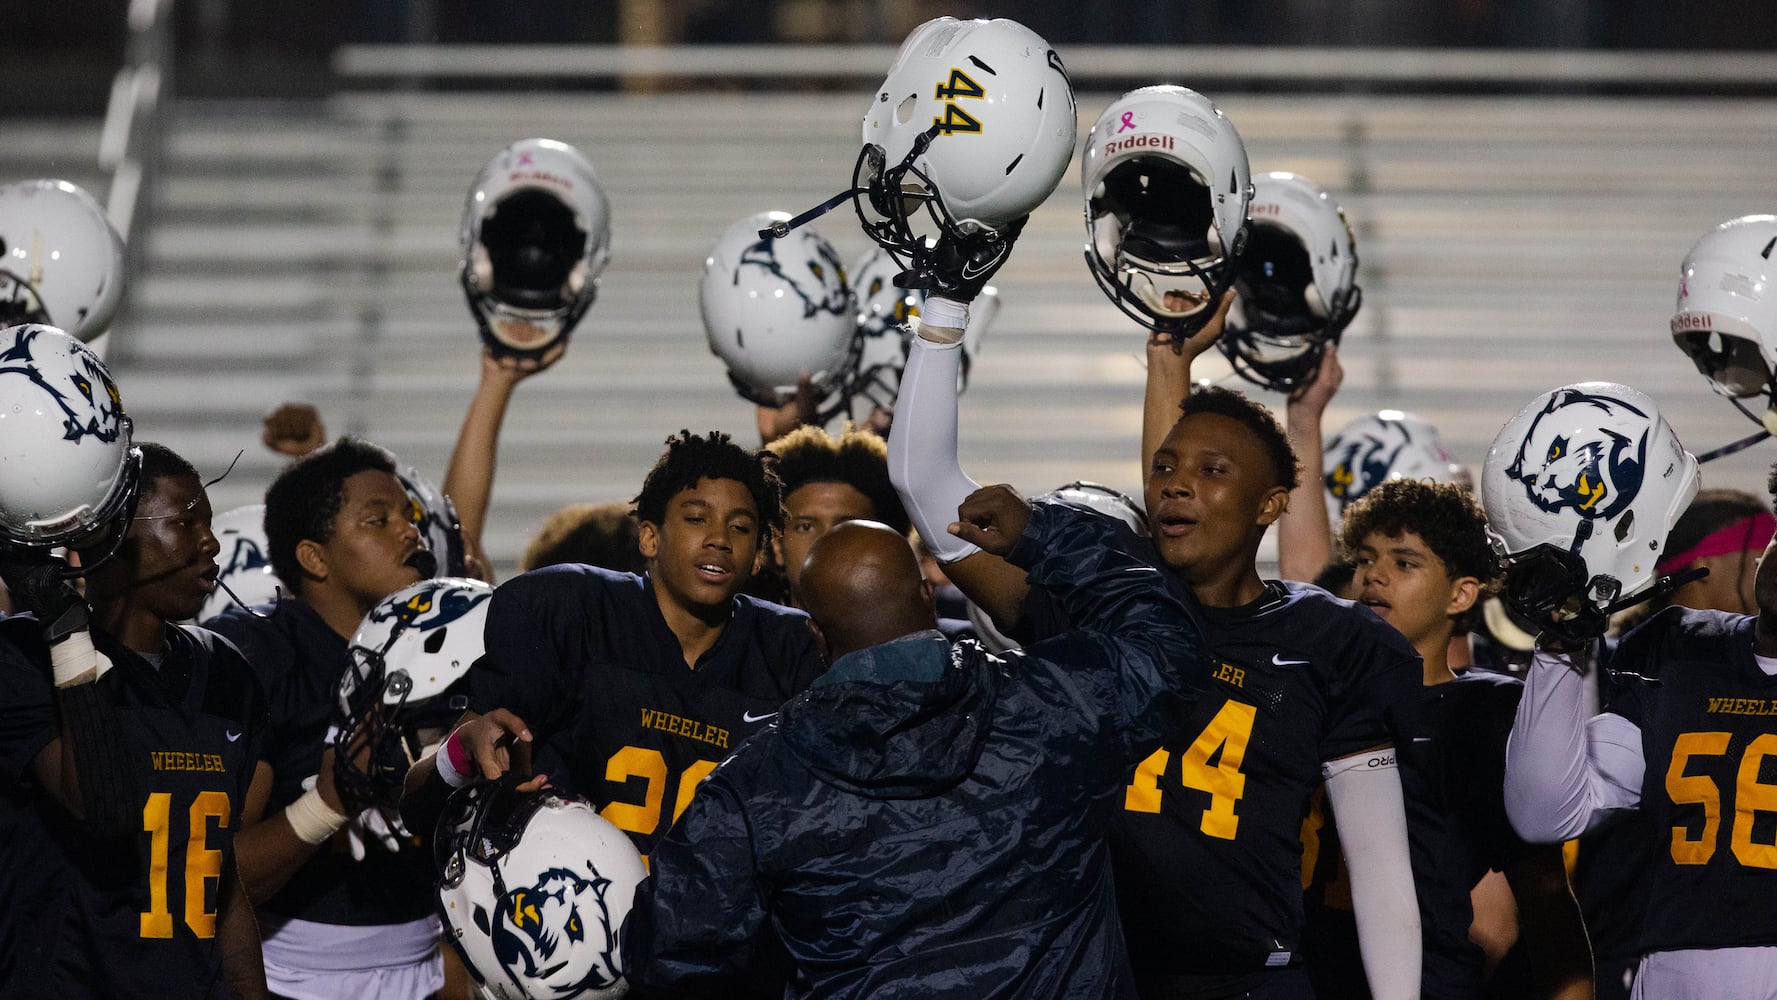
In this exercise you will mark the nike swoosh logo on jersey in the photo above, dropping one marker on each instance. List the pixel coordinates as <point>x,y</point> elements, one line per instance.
<point>750,717</point>
<point>232,735</point>
<point>1277,658</point>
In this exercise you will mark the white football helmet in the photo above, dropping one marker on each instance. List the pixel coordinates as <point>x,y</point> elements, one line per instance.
<point>1581,489</point>
<point>774,309</point>
<point>535,892</point>
<point>244,574</point>
<point>886,315</point>
<point>68,474</point>
<point>1380,446</point>
<point>1105,500</point>
<point>1295,286</point>
<point>1167,187</point>
<point>433,513</point>
<point>406,683</point>
<point>61,262</point>
<point>975,123</point>
<point>536,235</point>
<point>1726,316</point>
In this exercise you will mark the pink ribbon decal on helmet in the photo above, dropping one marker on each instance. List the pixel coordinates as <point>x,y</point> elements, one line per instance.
<point>1128,122</point>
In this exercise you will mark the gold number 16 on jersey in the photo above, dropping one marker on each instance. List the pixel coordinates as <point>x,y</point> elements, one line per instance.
<point>1228,733</point>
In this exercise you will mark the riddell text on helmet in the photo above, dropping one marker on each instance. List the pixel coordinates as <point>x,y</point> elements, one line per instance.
<point>1145,141</point>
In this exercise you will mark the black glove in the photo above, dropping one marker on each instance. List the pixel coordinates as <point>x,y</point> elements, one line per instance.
<point>958,268</point>
<point>40,588</point>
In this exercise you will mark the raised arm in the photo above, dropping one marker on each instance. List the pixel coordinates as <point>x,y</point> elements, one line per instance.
<point>82,766</point>
<point>923,461</point>
<point>1169,380</point>
<point>469,479</point>
<point>1565,775</point>
<point>1304,532</point>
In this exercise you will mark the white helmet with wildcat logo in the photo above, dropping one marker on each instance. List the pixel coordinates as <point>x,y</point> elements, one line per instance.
<point>68,473</point>
<point>1377,447</point>
<point>1167,187</point>
<point>405,685</point>
<point>244,570</point>
<point>776,309</point>
<point>1581,489</point>
<point>886,315</point>
<point>536,235</point>
<point>975,122</point>
<point>61,262</point>
<point>534,892</point>
<point>1726,316</point>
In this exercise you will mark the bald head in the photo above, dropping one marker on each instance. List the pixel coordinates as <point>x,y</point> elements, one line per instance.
<point>862,585</point>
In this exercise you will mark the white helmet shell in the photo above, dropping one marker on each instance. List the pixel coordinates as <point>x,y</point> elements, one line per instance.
<point>244,564</point>
<point>1296,283</point>
<point>536,235</point>
<point>535,893</point>
<point>67,470</point>
<point>1002,109</point>
<point>61,262</point>
<point>435,516</point>
<point>886,315</point>
<point>1593,473</point>
<point>775,309</point>
<point>1104,499</point>
<point>410,656</point>
<point>1726,316</point>
<point>1167,186</point>
<point>1380,446</point>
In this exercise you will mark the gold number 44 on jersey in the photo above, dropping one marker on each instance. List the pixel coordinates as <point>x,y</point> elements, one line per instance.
<point>1224,739</point>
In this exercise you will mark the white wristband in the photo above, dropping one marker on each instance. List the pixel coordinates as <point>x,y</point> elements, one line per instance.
<point>72,659</point>
<point>943,320</point>
<point>312,818</point>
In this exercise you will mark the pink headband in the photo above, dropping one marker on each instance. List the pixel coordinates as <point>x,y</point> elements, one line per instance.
<point>1750,534</point>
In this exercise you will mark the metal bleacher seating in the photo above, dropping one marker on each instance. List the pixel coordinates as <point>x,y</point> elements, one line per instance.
<point>308,251</point>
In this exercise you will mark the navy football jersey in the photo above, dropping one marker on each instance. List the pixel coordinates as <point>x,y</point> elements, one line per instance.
<point>1207,847</point>
<point>135,916</point>
<point>585,658</point>
<point>1708,719</point>
<point>1453,778</point>
<point>299,659</point>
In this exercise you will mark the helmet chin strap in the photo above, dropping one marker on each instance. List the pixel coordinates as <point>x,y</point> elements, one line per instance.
<point>1768,427</point>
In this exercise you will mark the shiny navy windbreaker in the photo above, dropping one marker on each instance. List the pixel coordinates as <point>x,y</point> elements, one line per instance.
<point>928,820</point>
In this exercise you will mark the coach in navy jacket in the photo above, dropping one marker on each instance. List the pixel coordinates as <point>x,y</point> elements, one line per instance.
<point>928,820</point>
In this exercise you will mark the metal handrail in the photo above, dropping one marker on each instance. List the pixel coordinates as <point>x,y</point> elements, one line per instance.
<point>130,140</point>
<point>1445,67</point>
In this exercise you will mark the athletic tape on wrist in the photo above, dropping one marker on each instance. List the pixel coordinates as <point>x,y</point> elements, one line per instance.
<point>943,320</point>
<point>312,818</point>
<point>74,657</point>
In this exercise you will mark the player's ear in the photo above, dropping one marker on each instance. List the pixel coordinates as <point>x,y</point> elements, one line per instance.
<point>311,556</point>
<point>1464,592</point>
<point>1272,506</point>
<point>648,539</point>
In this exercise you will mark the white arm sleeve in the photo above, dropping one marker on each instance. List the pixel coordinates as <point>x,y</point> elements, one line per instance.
<point>1564,775</point>
<point>1365,791</point>
<point>922,447</point>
